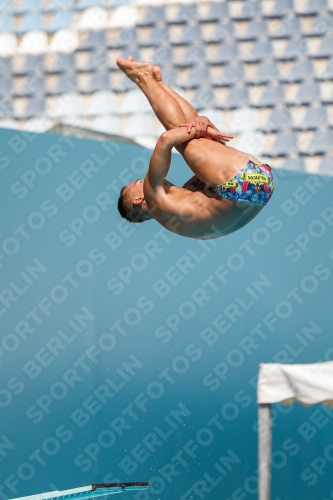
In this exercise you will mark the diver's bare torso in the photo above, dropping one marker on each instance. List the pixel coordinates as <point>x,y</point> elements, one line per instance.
<point>196,211</point>
<point>199,213</point>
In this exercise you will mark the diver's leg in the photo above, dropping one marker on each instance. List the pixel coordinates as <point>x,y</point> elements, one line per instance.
<point>198,153</point>
<point>188,110</point>
<point>164,105</point>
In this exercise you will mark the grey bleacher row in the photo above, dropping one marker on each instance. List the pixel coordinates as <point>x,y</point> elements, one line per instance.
<point>38,6</point>
<point>217,48</point>
<point>271,95</point>
<point>295,117</point>
<point>217,31</point>
<point>284,143</point>
<point>36,21</point>
<point>246,10</point>
<point>66,74</point>
<point>199,41</point>
<point>318,23</point>
<point>277,63</point>
<point>191,55</point>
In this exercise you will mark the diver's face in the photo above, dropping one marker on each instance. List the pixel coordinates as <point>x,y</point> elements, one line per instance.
<point>135,191</point>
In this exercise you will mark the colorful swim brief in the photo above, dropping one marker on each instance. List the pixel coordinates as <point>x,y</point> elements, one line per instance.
<point>254,183</point>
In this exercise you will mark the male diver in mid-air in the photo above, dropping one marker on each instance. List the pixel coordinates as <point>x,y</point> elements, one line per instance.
<point>229,187</point>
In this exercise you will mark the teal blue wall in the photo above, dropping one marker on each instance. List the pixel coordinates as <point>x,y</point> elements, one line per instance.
<point>129,353</point>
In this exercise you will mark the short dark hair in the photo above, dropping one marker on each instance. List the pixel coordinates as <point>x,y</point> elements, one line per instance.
<point>126,209</point>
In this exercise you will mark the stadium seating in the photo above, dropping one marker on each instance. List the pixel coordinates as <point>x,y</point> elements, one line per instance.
<point>248,10</point>
<point>139,124</point>
<point>197,77</point>
<point>255,29</point>
<point>266,72</point>
<point>5,65</point>
<point>125,38</point>
<point>279,120</point>
<point>300,71</point>
<point>62,63</point>
<point>106,124</point>
<point>294,49</point>
<point>94,39</point>
<point>322,25</point>
<point>294,164</point>
<point>32,85</point>
<point>270,61</point>
<point>60,20</point>
<point>123,85</point>
<point>65,83</point>
<point>170,76</point>
<point>325,48</point>
<point>314,117</point>
<point>185,13</point>
<point>6,85</point>
<point>8,44</point>
<point>94,18</point>
<point>225,53</point>
<point>285,143</point>
<point>162,55</point>
<point>326,165</point>
<point>231,74</point>
<point>222,32</point>
<point>217,12</point>
<point>204,98</point>
<point>236,97</point>
<point>101,103</point>
<point>153,15</point>
<point>308,92</point>
<point>260,51</point>
<point>158,36</point>
<point>6,109</point>
<point>85,4</point>
<point>34,107</point>
<point>312,7</point>
<point>281,8</point>
<point>97,59</point>
<point>58,5</point>
<point>28,6</point>
<point>32,64</point>
<point>133,101</point>
<point>97,81</point>
<point>322,142</point>
<point>189,34</point>
<point>67,104</point>
<point>193,55</point>
<point>288,28</point>
<point>7,23</point>
<point>30,22</point>
<point>328,73</point>
<point>124,16</point>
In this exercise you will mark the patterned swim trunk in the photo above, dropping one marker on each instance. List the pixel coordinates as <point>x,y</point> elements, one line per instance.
<point>254,183</point>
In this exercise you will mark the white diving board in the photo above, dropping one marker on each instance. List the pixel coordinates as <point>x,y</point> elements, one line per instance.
<point>88,492</point>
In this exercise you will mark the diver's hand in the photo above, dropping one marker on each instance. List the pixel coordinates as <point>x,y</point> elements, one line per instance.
<point>200,123</point>
<point>217,136</point>
<point>202,129</point>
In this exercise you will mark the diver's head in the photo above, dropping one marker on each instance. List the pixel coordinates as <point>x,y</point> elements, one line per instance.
<point>131,202</point>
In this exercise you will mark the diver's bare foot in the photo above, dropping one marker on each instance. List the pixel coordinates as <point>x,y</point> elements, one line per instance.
<point>157,73</point>
<point>136,71</point>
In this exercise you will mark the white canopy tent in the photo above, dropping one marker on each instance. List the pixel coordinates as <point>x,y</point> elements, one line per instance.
<point>277,383</point>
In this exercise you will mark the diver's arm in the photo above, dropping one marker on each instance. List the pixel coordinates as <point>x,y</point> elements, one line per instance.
<point>194,184</point>
<point>161,158</point>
